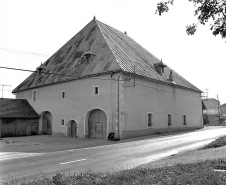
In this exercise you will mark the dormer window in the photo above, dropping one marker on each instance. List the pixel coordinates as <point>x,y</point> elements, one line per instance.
<point>41,69</point>
<point>159,67</point>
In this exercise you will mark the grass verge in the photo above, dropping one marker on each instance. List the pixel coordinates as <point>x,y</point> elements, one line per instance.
<point>192,174</point>
<point>221,141</point>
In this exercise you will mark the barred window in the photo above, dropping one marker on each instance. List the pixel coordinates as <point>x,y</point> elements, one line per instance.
<point>150,119</point>
<point>34,95</point>
<point>169,120</point>
<point>184,120</point>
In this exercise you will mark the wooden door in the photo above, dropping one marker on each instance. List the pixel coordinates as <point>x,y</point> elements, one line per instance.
<point>97,124</point>
<point>73,129</point>
<point>47,123</point>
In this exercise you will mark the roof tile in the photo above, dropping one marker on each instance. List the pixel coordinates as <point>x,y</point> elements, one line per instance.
<point>113,50</point>
<point>16,108</point>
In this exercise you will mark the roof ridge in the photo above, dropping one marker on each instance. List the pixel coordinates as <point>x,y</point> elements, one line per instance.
<point>150,65</point>
<point>106,41</point>
<point>110,47</point>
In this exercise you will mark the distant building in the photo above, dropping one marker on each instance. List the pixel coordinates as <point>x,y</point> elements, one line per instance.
<point>102,81</point>
<point>17,118</point>
<point>212,106</point>
<point>223,110</point>
<point>212,109</point>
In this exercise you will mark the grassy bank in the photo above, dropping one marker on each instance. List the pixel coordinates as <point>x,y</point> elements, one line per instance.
<point>192,174</point>
<point>217,143</point>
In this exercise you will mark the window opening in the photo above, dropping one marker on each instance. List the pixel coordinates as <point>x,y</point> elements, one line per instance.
<point>169,120</point>
<point>63,94</point>
<point>62,122</point>
<point>34,95</point>
<point>96,90</point>
<point>149,119</point>
<point>184,120</point>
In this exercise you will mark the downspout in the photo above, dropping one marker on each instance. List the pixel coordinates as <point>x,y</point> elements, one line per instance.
<point>118,109</point>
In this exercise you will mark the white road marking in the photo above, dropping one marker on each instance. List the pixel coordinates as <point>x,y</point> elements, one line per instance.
<point>216,170</point>
<point>14,155</point>
<point>74,161</point>
<point>159,156</point>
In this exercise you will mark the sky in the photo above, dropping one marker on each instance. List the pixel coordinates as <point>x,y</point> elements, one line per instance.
<point>32,30</point>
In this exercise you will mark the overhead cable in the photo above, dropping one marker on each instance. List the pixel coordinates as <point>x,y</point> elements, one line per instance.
<point>99,79</point>
<point>25,52</point>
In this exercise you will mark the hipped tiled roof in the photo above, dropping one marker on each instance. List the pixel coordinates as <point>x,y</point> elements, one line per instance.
<point>113,51</point>
<point>16,108</point>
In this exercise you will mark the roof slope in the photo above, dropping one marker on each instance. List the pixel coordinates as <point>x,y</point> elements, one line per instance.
<point>211,103</point>
<point>16,108</point>
<point>114,51</point>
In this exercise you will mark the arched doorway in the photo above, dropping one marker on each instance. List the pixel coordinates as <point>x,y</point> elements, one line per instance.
<point>97,124</point>
<point>47,123</point>
<point>72,128</point>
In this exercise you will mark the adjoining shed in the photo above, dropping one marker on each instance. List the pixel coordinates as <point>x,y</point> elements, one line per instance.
<point>211,113</point>
<point>17,118</point>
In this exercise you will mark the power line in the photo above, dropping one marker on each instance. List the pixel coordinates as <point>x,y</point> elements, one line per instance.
<point>56,73</point>
<point>25,52</point>
<point>99,79</point>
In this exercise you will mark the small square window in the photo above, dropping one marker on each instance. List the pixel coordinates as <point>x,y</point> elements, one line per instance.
<point>63,94</point>
<point>150,119</point>
<point>184,119</point>
<point>96,90</point>
<point>62,122</point>
<point>34,95</point>
<point>169,120</point>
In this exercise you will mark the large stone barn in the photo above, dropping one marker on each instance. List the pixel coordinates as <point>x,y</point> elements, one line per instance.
<point>102,81</point>
<point>17,118</point>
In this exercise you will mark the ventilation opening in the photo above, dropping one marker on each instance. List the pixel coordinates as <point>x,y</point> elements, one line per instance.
<point>159,67</point>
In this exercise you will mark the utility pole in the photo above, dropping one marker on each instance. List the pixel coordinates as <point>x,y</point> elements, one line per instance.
<point>205,94</point>
<point>219,112</point>
<point>3,85</point>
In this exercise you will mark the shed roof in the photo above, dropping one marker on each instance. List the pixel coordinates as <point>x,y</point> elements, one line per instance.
<point>16,108</point>
<point>112,51</point>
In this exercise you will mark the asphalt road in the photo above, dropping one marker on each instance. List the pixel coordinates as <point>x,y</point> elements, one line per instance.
<point>103,158</point>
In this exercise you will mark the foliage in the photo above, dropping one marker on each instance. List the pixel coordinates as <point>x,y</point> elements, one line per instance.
<point>206,10</point>
<point>193,174</point>
<point>217,143</point>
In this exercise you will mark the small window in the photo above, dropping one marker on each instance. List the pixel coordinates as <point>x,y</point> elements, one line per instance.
<point>149,119</point>
<point>184,120</point>
<point>96,90</point>
<point>169,120</point>
<point>34,95</point>
<point>62,122</point>
<point>63,94</point>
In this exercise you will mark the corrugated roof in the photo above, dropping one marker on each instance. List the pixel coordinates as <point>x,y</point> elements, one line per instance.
<point>113,50</point>
<point>16,108</point>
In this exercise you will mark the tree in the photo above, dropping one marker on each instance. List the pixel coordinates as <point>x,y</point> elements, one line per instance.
<point>206,11</point>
